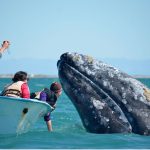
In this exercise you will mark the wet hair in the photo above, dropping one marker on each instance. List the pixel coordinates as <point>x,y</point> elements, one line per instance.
<point>56,87</point>
<point>20,76</point>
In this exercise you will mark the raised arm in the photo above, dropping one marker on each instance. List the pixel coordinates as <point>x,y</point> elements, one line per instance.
<point>5,45</point>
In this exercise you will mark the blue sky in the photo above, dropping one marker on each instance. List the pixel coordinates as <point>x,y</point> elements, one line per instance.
<point>115,31</point>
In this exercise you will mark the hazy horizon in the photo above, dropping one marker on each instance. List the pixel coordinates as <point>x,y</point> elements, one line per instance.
<point>49,67</point>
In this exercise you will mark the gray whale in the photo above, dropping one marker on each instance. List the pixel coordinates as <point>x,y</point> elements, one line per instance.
<point>107,99</point>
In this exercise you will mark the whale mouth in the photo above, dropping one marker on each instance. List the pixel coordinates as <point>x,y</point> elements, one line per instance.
<point>107,99</point>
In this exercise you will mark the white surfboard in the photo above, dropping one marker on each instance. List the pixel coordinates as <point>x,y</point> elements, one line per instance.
<point>17,115</point>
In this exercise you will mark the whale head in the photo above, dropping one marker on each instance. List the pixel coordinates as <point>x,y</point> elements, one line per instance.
<point>107,99</point>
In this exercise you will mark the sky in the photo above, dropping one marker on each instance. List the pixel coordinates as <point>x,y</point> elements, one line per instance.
<point>114,31</point>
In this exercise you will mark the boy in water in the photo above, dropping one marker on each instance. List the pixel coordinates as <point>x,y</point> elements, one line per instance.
<point>50,96</point>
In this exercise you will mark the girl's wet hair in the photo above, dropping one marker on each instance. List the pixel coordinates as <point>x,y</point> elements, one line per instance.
<point>56,87</point>
<point>20,76</point>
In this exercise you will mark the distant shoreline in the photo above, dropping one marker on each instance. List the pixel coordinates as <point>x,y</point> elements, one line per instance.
<point>141,76</point>
<point>30,76</point>
<point>56,76</point>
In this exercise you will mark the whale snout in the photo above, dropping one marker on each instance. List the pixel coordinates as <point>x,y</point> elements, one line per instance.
<point>107,99</point>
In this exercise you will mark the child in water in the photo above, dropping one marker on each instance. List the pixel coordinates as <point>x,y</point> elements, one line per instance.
<point>50,96</point>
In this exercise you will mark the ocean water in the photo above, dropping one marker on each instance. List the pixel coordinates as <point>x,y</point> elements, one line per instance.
<point>69,132</point>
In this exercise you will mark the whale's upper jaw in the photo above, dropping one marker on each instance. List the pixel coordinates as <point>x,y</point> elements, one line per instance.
<point>89,66</point>
<point>78,61</point>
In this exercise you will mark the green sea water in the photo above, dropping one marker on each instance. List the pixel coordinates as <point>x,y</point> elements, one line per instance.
<point>69,132</point>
